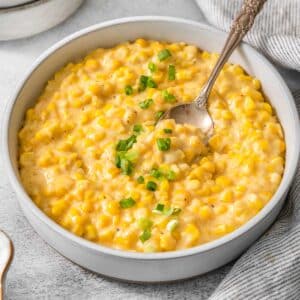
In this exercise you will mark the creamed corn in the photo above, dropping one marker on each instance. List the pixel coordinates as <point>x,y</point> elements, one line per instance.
<point>92,157</point>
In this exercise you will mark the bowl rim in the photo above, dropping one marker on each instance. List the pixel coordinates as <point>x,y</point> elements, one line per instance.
<point>25,200</point>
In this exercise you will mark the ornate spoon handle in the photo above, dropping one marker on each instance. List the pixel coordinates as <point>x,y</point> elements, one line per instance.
<point>241,25</point>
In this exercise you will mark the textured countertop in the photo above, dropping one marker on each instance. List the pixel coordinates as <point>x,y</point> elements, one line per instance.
<point>38,271</point>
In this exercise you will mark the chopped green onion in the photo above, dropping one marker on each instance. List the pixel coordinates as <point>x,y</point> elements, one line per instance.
<point>145,104</point>
<point>158,115</point>
<point>168,97</point>
<point>137,128</point>
<point>146,81</point>
<point>123,155</point>
<point>164,54</point>
<point>171,175</point>
<point>151,83</point>
<point>118,161</point>
<point>126,166</point>
<point>163,144</point>
<point>124,161</point>
<point>152,67</point>
<point>128,90</point>
<point>127,203</point>
<point>124,145</point>
<point>140,179</point>
<point>168,130</point>
<point>143,83</point>
<point>171,72</point>
<point>172,225</point>
<point>151,186</point>
<point>156,173</point>
<point>131,155</point>
<point>172,211</point>
<point>146,235</point>
<point>159,208</point>
<point>145,223</point>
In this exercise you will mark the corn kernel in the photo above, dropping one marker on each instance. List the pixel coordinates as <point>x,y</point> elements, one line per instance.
<point>90,232</point>
<point>205,212</point>
<point>191,233</point>
<point>167,242</point>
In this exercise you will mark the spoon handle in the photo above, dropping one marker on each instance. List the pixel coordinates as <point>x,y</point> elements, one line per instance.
<point>240,26</point>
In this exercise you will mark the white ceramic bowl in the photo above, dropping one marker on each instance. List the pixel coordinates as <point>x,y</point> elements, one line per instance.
<point>148,267</point>
<point>33,17</point>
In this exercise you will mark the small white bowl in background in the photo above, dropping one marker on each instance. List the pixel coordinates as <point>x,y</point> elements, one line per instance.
<point>34,17</point>
<point>149,267</point>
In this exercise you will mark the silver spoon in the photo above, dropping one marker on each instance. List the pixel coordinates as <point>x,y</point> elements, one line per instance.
<point>6,255</point>
<point>196,113</point>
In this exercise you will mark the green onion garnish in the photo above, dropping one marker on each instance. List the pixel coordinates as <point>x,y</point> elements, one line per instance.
<point>131,155</point>
<point>158,115</point>
<point>146,235</point>
<point>168,97</point>
<point>172,211</point>
<point>140,179</point>
<point>145,104</point>
<point>171,175</point>
<point>156,173</point>
<point>145,224</point>
<point>151,186</point>
<point>159,208</point>
<point>151,83</point>
<point>124,161</point>
<point>163,144</point>
<point>124,145</point>
<point>168,130</point>
<point>164,54</point>
<point>152,67</point>
<point>137,128</point>
<point>171,72</point>
<point>128,90</point>
<point>126,166</point>
<point>146,81</point>
<point>127,203</point>
<point>143,83</point>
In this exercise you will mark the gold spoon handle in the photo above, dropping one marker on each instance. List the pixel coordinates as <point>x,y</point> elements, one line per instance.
<point>241,25</point>
<point>1,293</point>
<point>6,256</point>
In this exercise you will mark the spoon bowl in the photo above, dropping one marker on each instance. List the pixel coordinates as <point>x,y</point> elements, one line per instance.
<point>192,114</point>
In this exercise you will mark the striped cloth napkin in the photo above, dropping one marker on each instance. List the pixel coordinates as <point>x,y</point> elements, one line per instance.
<point>270,269</point>
<point>276,30</point>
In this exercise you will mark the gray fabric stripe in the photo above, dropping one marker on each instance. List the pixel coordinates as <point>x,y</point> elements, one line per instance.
<point>276,30</point>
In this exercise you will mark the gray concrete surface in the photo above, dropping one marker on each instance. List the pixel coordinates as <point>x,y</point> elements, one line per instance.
<point>38,271</point>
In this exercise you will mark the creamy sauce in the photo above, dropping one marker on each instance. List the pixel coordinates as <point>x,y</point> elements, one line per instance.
<point>91,158</point>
